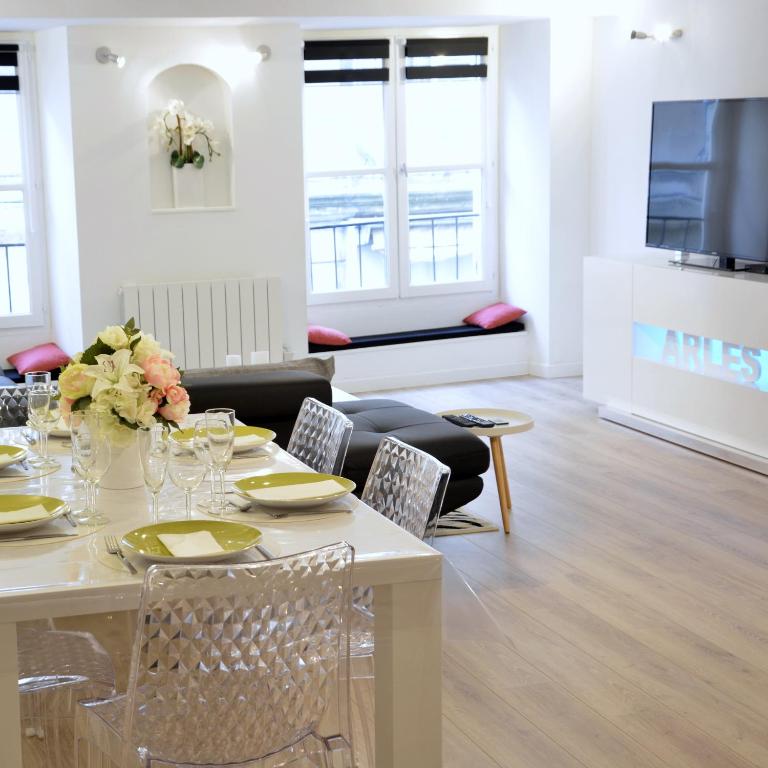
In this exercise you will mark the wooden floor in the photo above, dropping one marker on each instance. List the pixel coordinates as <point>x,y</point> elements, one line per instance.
<point>632,592</point>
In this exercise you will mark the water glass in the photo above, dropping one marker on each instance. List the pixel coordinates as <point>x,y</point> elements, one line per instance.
<point>44,414</point>
<point>91,455</point>
<point>186,470</point>
<point>154,450</point>
<point>220,430</point>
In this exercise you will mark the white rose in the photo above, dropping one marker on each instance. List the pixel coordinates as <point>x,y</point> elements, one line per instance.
<point>146,413</point>
<point>146,347</point>
<point>127,406</point>
<point>114,336</point>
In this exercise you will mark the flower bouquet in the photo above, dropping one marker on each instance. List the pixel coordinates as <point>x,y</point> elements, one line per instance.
<point>180,130</point>
<point>126,378</point>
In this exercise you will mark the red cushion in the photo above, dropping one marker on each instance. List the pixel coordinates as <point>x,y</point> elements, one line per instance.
<point>494,315</point>
<point>43,357</point>
<point>319,334</point>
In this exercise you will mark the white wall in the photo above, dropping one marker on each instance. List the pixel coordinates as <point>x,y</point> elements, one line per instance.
<point>721,54</point>
<point>120,239</point>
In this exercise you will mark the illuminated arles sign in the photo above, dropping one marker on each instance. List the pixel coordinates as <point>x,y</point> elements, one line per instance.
<point>714,358</point>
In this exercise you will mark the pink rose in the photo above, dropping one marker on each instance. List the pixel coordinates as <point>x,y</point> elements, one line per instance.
<point>177,412</point>
<point>65,407</point>
<point>160,372</point>
<point>176,394</point>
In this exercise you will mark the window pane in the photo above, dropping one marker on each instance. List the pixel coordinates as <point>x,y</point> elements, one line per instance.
<point>14,285</point>
<point>10,141</point>
<point>444,233</point>
<point>444,121</point>
<point>348,247</point>
<point>344,127</point>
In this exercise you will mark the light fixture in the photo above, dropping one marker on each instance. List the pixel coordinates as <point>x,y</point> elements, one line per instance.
<point>662,33</point>
<point>262,53</point>
<point>105,56</point>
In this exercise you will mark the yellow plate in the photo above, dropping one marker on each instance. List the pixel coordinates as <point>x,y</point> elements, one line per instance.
<point>15,502</point>
<point>10,454</point>
<point>233,538</point>
<point>298,490</point>
<point>256,437</point>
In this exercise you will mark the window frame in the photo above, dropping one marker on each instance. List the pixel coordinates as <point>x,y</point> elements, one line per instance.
<point>31,189</point>
<point>396,189</point>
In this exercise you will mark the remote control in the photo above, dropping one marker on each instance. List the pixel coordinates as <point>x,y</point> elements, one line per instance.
<point>479,421</point>
<point>459,421</point>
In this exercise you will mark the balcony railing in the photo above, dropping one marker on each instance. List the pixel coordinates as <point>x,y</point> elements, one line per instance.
<point>353,254</point>
<point>14,291</point>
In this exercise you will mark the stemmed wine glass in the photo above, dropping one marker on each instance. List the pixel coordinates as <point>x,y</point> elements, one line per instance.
<point>43,412</point>
<point>220,430</point>
<point>186,470</point>
<point>154,450</point>
<point>200,446</point>
<point>35,380</point>
<point>91,452</point>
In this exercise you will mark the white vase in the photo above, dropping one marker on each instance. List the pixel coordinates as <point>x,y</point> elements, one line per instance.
<point>125,467</point>
<point>188,187</point>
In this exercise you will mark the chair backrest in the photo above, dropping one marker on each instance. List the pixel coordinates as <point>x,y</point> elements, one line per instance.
<point>320,437</point>
<point>234,662</point>
<point>13,406</point>
<point>406,485</point>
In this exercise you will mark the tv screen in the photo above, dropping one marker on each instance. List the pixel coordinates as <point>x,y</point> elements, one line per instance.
<point>708,187</point>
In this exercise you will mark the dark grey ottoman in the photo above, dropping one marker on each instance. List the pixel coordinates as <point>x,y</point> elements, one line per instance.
<point>466,455</point>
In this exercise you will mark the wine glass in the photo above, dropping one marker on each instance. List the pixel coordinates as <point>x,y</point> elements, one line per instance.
<point>200,446</point>
<point>91,452</point>
<point>220,428</point>
<point>36,380</point>
<point>43,412</point>
<point>186,470</point>
<point>154,450</point>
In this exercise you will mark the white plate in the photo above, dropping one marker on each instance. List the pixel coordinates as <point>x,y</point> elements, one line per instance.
<point>11,454</point>
<point>16,501</point>
<point>305,485</point>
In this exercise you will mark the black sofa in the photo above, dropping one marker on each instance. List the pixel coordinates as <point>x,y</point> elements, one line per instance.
<point>272,399</point>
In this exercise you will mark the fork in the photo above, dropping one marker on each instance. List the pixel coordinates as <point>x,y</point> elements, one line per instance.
<point>113,547</point>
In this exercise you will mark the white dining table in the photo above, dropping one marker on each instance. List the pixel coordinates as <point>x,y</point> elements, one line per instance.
<point>74,577</point>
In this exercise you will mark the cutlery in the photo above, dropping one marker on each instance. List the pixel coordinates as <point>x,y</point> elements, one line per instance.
<point>32,536</point>
<point>265,552</point>
<point>71,520</point>
<point>113,547</point>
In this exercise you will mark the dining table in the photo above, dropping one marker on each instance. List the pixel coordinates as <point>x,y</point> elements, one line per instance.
<point>73,575</point>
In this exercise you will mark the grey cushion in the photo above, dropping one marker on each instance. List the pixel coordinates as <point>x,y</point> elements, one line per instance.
<point>322,366</point>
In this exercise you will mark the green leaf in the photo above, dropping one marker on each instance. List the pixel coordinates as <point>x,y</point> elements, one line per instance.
<point>83,404</point>
<point>198,160</point>
<point>97,348</point>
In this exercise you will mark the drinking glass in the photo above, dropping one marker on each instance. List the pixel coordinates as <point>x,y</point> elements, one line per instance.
<point>91,453</point>
<point>43,412</point>
<point>186,470</point>
<point>154,450</point>
<point>36,380</point>
<point>200,446</point>
<point>220,428</point>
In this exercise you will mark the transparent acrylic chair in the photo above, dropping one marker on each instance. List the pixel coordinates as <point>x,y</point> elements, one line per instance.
<point>320,437</point>
<point>233,665</point>
<point>56,670</point>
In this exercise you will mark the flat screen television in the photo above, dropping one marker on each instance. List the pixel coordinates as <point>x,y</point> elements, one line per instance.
<point>708,185</point>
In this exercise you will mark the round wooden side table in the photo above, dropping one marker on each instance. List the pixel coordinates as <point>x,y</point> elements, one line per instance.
<point>516,422</point>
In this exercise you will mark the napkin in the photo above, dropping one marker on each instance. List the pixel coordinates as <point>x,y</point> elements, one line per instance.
<point>248,441</point>
<point>14,470</point>
<point>297,492</point>
<point>190,544</point>
<point>26,515</point>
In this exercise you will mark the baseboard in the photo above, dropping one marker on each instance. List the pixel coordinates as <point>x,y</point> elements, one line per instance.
<point>555,370</point>
<point>686,439</point>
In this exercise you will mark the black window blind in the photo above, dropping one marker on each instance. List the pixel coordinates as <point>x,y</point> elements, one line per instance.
<point>9,58</point>
<point>450,47</point>
<point>345,50</point>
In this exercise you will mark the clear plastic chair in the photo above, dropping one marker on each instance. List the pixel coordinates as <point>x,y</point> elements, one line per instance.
<point>320,437</point>
<point>56,670</point>
<point>13,406</point>
<point>233,664</point>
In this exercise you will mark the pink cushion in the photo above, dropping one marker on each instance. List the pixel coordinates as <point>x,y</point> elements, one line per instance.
<point>494,315</point>
<point>43,357</point>
<point>319,334</point>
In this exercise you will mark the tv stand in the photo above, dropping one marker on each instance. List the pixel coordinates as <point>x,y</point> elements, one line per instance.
<point>720,263</point>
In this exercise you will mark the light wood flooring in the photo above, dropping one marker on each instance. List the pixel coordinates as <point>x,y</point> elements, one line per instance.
<point>631,590</point>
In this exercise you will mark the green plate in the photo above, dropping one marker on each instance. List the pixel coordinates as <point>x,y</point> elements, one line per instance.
<point>13,502</point>
<point>234,538</point>
<point>10,454</point>
<point>259,437</point>
<point>308,489</point>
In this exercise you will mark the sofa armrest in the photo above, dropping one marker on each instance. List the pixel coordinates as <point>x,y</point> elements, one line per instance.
<point>269,399</point>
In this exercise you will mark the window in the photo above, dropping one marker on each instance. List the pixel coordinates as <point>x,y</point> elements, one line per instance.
<point>20,272</point>
<point>398,169</point>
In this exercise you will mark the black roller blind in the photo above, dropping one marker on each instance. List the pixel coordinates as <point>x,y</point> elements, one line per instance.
<point>419,48</point>
<point>9,57</point>
<point>335,50</point>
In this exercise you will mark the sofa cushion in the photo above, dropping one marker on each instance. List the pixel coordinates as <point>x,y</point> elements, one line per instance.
<point>322,366</point>
<point>43,357</point>
<point>495,315</point>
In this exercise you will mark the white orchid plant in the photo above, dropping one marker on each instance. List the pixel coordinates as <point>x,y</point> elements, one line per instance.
<point>126,377</point>
<point>181,130</point>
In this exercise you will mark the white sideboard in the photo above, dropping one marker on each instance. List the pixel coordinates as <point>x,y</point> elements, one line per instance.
<point>680,353</point>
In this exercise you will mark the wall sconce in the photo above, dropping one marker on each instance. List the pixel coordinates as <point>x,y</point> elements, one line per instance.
<point>105,56</point>
<point>262,53</point>
<point>662,33</point>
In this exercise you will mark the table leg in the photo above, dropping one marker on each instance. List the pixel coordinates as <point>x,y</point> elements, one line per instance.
<point>502,485</point>
<point>408,660</point>
<point>10,719</point>
<point>506,476</point>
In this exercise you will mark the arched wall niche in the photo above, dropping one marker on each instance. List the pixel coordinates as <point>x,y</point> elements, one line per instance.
<point>208,96</point>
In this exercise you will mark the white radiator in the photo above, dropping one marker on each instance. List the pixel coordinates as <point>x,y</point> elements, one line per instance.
<point>203,322</point>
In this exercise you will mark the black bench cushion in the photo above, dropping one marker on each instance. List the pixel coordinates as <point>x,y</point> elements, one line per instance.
<point>426,334</point>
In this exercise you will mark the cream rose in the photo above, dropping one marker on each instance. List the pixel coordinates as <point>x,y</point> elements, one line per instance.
<point>146,413</point>
<point>147,347</point>
<point>74,383</point>
<point>114,336</point>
